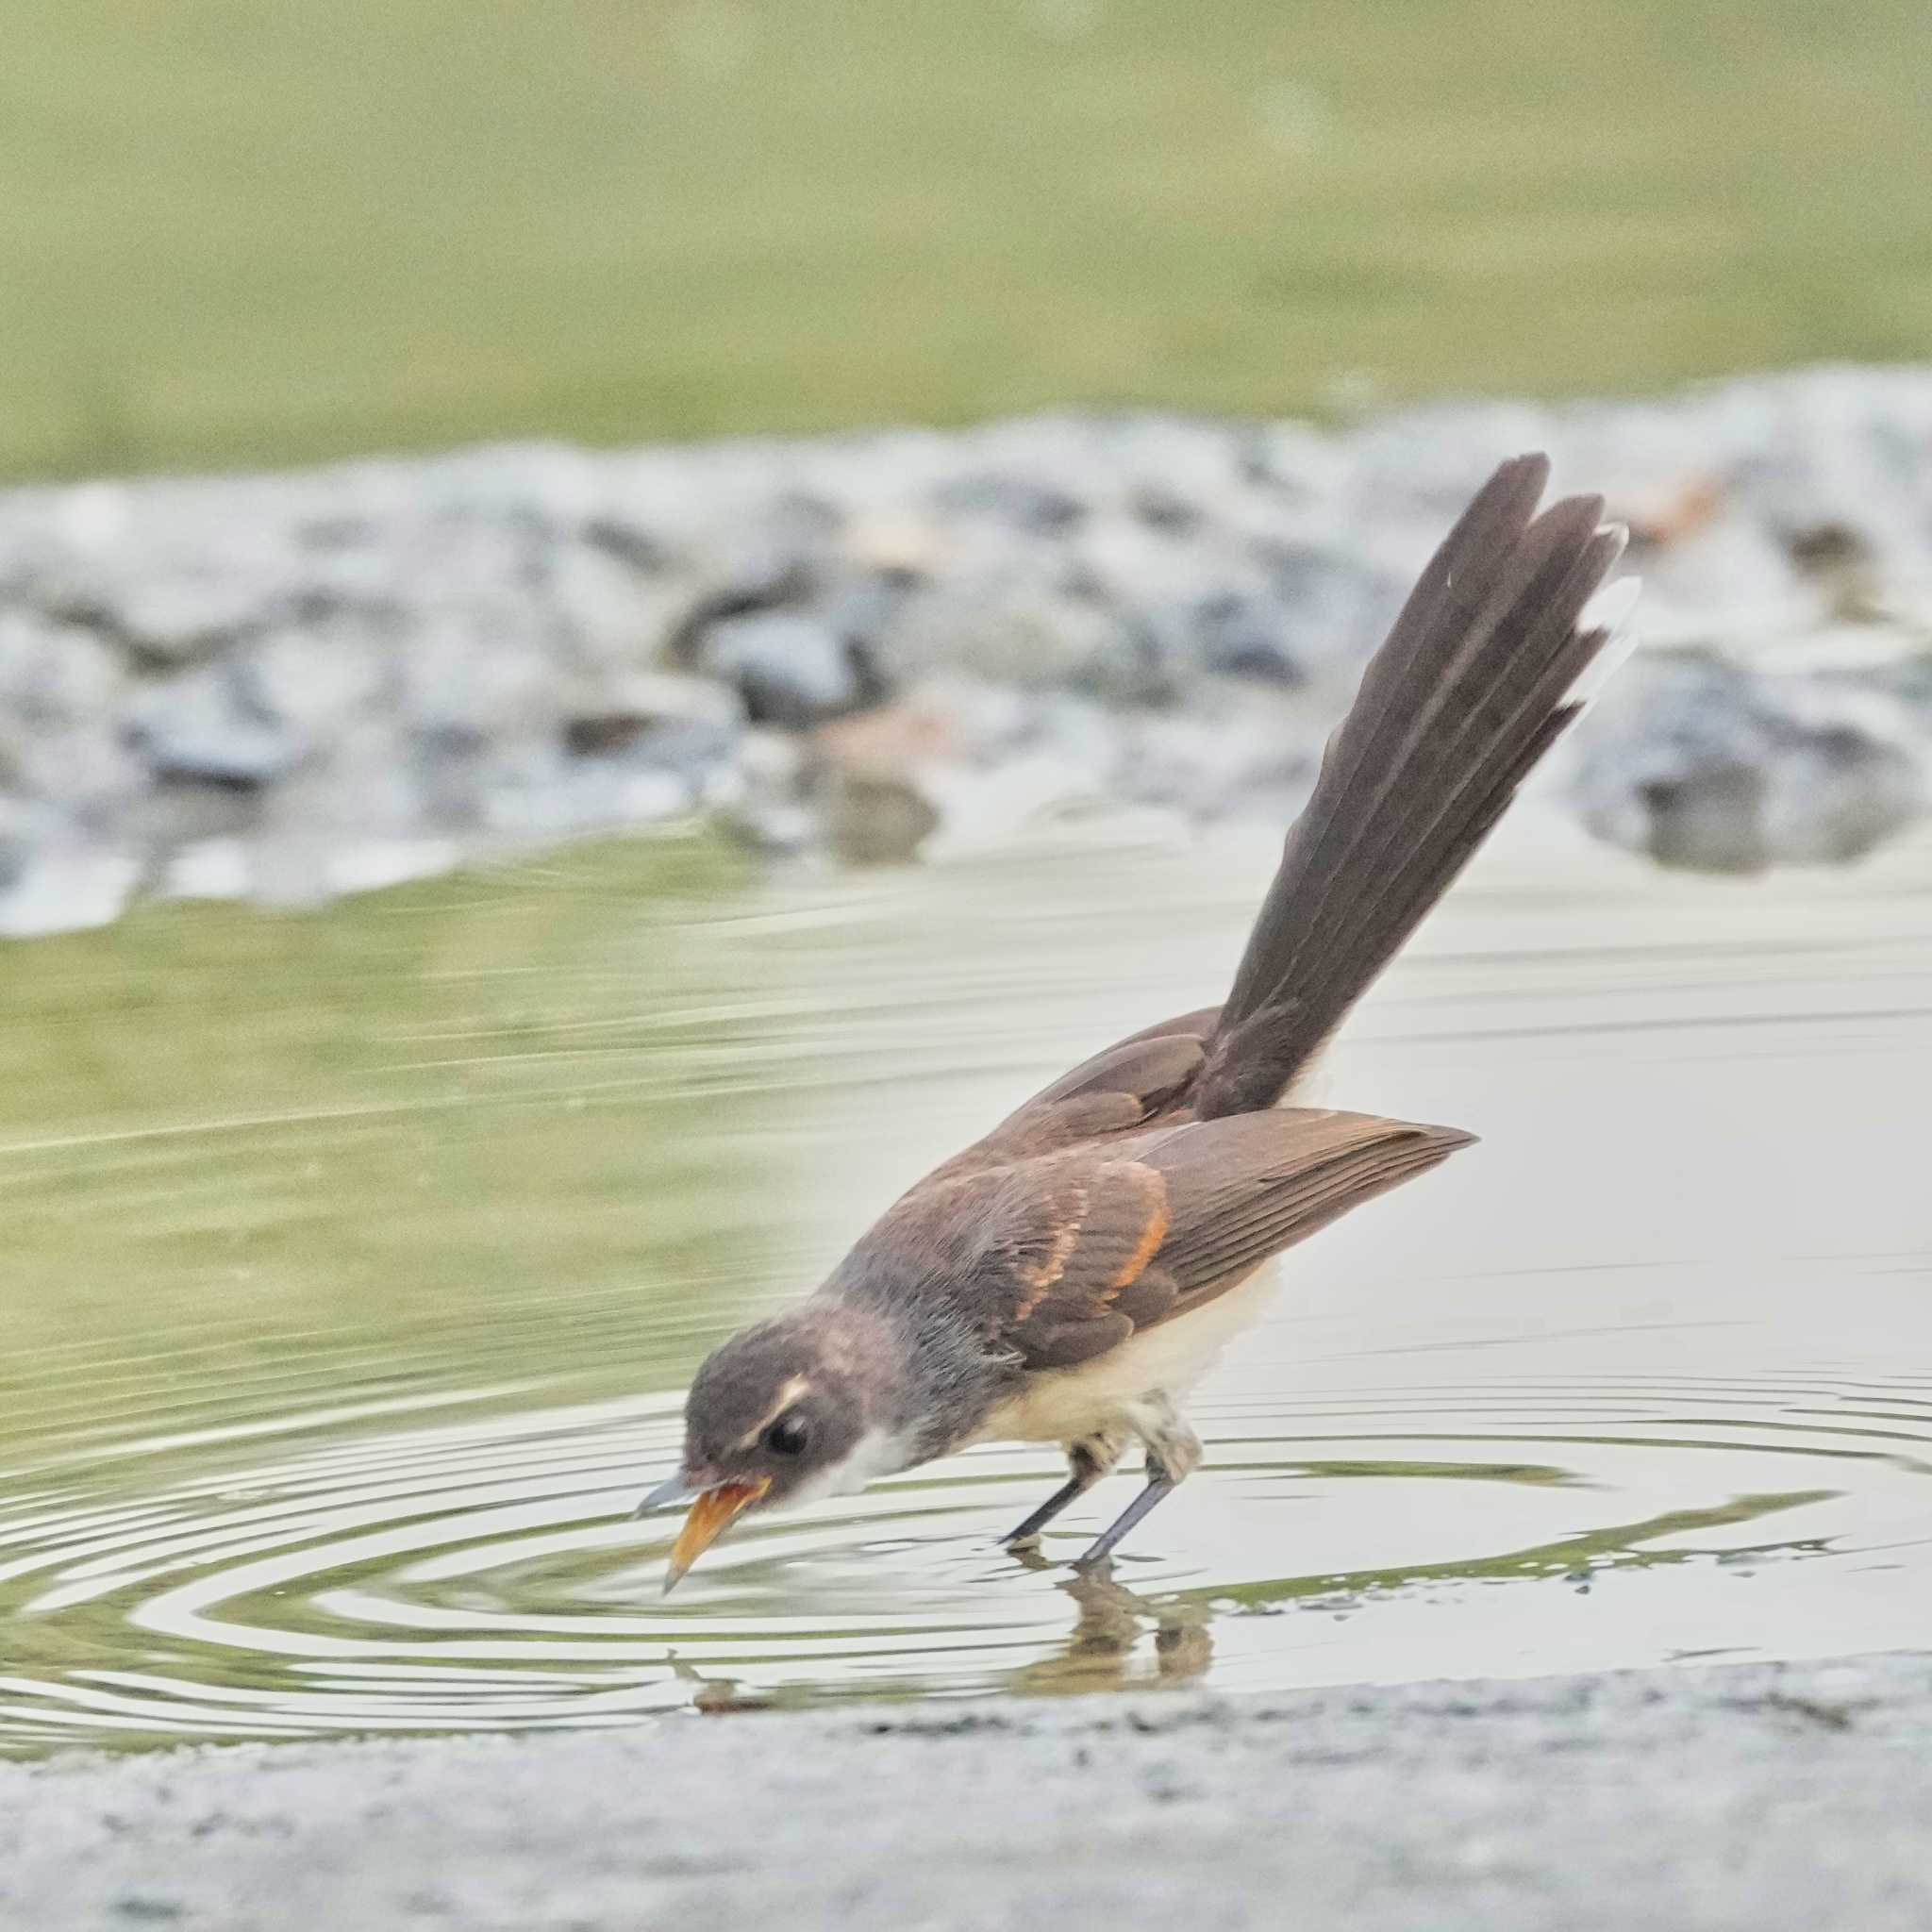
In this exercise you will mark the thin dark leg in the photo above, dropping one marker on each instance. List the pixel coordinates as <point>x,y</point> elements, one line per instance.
<point>1158,1485</point>
<point>1069,1491</point>
<point>1174,1452</point>
<point>1090,1462</point>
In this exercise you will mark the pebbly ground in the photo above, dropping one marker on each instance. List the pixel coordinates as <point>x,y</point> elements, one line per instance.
<point>869,646</point>
<point>1759,1797</point>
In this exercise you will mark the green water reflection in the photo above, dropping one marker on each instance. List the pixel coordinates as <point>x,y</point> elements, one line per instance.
<point>354,1261</point>
<point>486,1129</point>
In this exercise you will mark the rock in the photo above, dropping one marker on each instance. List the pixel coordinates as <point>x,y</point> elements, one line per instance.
<point>1174,594</point>
<point>898,543</point>
<point>761,562</point>
<point>872,780</point>
<point>1336,607</point>
<point>54,675</point>
<point>1706,765</point>
<point>1246,636</point>
<point>1292,466</point>
<point>210,728</point>
<point>609,612</point>
<point>673,744</point>
<point>1009,497</point>
<point>788,668</point>
<point>316,677</point>
<point>613,535</point>
<point>189,612</point>
<point>1689,506</point>
<point>1237,756</point>
<point>654,724</point>
<point>875,818</point>
<point>769,805</point>
<point>1033,632</point>
<point>481,671</point>
<point>534,791</point>
<point>169,574</point>
<point>952,768</point>
<point>311,680</point>
<point>65,886</point>
<point>60,690</point>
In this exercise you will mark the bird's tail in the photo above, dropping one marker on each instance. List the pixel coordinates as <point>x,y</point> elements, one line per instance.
<point>1473,684</point>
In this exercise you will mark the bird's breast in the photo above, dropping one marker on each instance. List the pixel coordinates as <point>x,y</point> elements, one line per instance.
<point>1066,1405</point>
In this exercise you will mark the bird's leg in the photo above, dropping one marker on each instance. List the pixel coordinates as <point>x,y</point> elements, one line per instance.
<point>1174,1453</point>
<point>1089,1459</point>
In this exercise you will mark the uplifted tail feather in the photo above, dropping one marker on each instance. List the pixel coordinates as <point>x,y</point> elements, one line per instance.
<point>1471,687</point>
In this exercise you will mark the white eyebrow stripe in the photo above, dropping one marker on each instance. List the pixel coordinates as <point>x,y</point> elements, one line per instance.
<point>797,1386</point>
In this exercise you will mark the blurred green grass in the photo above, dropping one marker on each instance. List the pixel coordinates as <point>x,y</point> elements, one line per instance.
<point>246,231</point>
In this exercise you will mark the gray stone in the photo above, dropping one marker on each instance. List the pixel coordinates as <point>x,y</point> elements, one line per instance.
<point>657,720</point>
<point>955,767</point>
<point>1247,637</point>
<point>57,873</point>
<point>1704,764</point>
<point>1336,607</point>
<point>1029,503</point>
<point>614,614</point>
<point>788,668</point>
<point>188,613</point>
<point>1232,758</point>
<point>1030,631</point>
<point>61,689</point>
<point>482,670</point>
<point>1127,607</point>
<point>771,557</point>
<point>318,676</point>
<point>210,728</point>
<point>169,573</point>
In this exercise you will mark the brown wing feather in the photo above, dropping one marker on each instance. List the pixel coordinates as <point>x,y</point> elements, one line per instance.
<point>1035,1253</point>
<point>1242,1188</point>
<point>1064,1256</point>
<point>1131,1084</point>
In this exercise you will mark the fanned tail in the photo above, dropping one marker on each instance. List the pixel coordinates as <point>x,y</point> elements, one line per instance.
<point>1471,687</point>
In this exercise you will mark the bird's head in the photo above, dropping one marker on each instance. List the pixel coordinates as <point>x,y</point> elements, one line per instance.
<point>795,1408</point>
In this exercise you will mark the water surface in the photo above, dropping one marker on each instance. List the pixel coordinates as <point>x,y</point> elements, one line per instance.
<point>354,1263</point>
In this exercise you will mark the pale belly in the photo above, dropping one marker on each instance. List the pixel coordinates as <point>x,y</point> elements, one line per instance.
<point>1066,1405</point>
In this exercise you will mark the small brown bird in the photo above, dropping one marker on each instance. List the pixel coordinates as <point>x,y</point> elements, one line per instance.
<point>1071,1276</point>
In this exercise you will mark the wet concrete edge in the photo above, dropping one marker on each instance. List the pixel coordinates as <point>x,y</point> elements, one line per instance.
<point>1756,1795</point>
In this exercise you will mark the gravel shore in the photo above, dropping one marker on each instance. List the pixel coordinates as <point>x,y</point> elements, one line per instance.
<point>1749,1796</point>
<point>872,646</point>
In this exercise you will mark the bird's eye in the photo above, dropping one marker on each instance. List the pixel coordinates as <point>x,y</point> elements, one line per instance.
<point>786,1437</point>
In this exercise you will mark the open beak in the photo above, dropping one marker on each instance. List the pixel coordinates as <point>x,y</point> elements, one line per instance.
<point>677,1489</point>
<point>710,1515</point>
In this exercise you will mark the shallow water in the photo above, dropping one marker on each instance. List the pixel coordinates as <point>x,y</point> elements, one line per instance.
<point>354,1261</point>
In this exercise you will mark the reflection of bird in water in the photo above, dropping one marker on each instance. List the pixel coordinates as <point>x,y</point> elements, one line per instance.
<point>1099,1650</point>
<point>716,1696</point>
<point>1096,1655</point>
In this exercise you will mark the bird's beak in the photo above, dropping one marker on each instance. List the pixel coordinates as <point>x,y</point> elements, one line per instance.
<point>714,1510</point>
<point>679,1489</point>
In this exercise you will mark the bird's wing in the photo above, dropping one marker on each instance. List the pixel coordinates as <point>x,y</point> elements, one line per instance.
<point>1062,1256</point>
<point>1131,1084</point>
<point>1243,1188</point>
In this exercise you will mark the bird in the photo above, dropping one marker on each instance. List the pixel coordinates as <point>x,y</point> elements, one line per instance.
<point>1071,1274</point>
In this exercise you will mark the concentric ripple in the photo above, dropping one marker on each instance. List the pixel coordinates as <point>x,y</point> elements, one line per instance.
<point>484,1574</point>
<point>351,1265</point>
